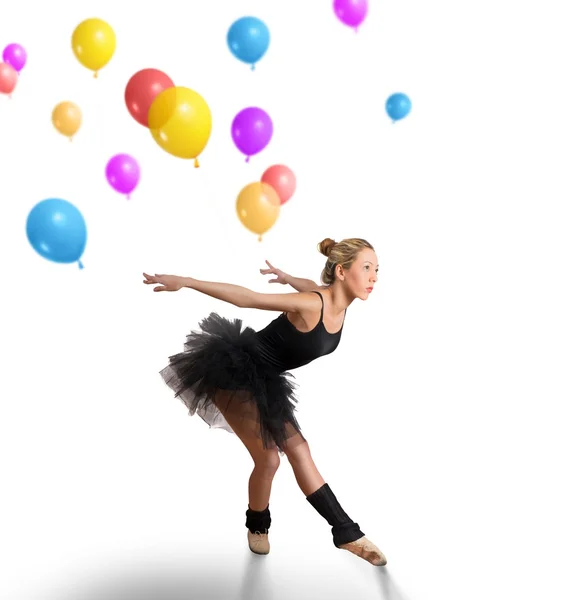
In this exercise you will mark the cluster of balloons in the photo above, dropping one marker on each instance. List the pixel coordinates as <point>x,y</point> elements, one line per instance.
<point>93,43</point>
<point>259,203</point>
<point>180,122</point>
<point>14,58</point>
<point>248,39</point>
<point>179,119</point>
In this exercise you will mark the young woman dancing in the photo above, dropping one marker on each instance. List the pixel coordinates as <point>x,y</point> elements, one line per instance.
<point>237,379</point>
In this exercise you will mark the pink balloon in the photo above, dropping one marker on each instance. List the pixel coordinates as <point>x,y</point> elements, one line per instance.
<point>282,180</point>
<point>8,78</point>
<point>351,12</point>
<point>15,55</point>
<point>123,173</point>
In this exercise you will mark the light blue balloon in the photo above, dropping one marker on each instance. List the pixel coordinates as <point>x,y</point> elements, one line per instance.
<point>248,39</point>
<point>56,230</point>
<point>398,106</point>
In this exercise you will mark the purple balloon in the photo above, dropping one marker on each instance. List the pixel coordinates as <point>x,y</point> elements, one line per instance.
<point>351,12</point>
<point>252,130</point>
<point>15,55</point>
<point>123,173</point>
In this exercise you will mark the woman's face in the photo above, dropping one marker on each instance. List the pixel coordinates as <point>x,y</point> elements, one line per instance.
<point>360,278</point>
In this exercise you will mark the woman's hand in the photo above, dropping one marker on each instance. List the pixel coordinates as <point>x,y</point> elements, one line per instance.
<point>169,283</point>
<point>281,276</point>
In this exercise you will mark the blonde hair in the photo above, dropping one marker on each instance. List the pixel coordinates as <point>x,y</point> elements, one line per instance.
<point>341,253</point>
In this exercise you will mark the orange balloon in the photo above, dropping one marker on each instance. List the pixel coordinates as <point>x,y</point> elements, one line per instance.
<point>67,118</point>
<point>258,206</point>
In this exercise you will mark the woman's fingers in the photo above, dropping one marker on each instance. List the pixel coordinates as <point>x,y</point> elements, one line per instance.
<point>270,271</point>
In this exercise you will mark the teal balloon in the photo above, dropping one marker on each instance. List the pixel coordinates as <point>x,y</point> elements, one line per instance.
<point>248,39</point>
<point>398,106</point>
<point>56,230</point>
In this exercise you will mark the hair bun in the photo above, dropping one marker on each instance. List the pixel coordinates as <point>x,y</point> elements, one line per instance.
<point>326,245</point>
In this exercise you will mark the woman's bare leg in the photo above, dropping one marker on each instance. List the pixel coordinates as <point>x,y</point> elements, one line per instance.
<point>306,473</point>
<point>266,461</point>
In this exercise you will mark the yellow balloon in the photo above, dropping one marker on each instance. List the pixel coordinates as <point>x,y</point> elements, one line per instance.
<point>258,207</point>
<point>93,44</point>
<point>180,121</point>
<point>67,118</point>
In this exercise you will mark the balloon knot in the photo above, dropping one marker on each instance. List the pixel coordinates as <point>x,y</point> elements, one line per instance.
<point>196,163</point>
<point>247,159</point>
<point>253,67</point>
<point>259,238</point>
<point>128,196</point>
<point>95,75</point>
<point>80,265</point>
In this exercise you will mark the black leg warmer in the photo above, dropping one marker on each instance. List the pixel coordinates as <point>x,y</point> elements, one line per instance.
<point>258,521</point>
<point>344,530</point>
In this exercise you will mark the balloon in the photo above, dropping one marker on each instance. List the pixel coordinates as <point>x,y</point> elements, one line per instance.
<point>252,129</point>
<point>398,106</point>
<point>93,44</point>
<point>8,78</point>
<point>123,173</point>
<point>15,55</point>
<point>57,231</point>
<point>248,39</point>
<point>282,180</point>
<point>141,91</point>
<point>67,118</point>
<point>180,122</point>
<point>351,12</point>
<point>258,207</point>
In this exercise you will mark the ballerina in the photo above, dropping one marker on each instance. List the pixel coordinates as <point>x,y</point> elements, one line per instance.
<point>238,379</point>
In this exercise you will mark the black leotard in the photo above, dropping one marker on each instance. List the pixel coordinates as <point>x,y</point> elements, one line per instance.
<point>287,348</point>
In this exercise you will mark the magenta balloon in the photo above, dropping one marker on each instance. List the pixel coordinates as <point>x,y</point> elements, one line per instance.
<point>252,130</point>
<point>123,173</point>
<point>15,55</point>
<point>351,12</point>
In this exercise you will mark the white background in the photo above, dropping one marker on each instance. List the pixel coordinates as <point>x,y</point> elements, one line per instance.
<point>436,421</point>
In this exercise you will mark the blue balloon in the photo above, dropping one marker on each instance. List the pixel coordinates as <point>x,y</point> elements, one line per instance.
<point>248,39</point>
<point>56,230</point>
<point>398,106</point>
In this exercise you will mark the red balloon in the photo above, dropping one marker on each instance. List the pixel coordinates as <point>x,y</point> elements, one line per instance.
<point>8,78</point>
<point>142,89</point>
<point>282,180</point>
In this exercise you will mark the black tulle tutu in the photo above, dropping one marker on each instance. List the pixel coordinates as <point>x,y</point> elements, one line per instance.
<point>224,377</point>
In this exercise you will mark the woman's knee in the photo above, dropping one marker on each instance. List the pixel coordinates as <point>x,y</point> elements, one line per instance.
<point>267,461</point>
<point>298,453</point>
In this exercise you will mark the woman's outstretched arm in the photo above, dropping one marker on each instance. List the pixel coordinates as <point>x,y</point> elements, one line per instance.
<point>246,298</point>
<point>236,294</point>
